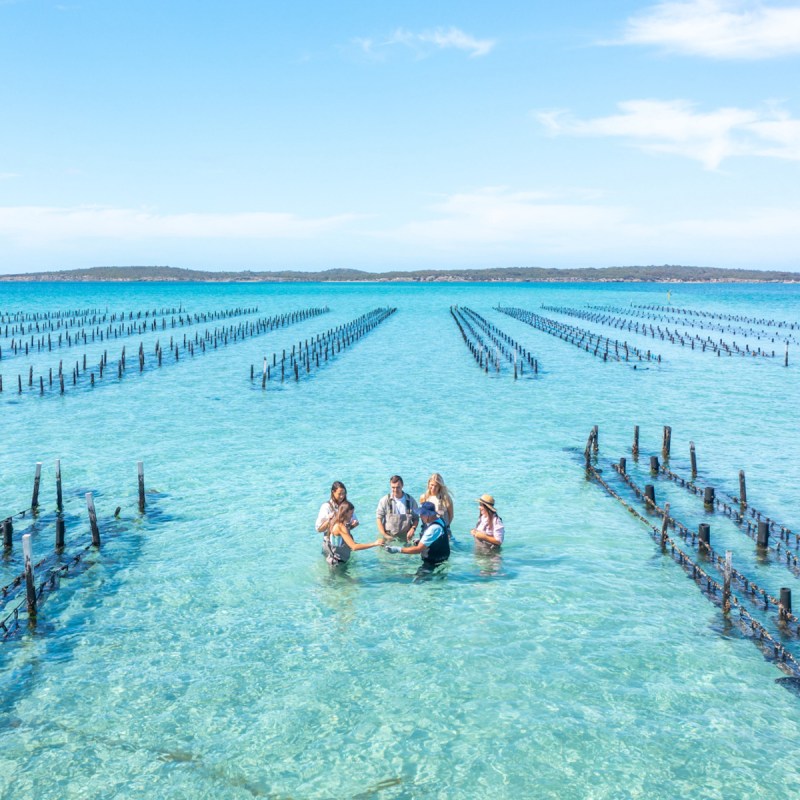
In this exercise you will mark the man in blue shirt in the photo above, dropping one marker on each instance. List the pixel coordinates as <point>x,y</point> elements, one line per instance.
<point>434,544</point>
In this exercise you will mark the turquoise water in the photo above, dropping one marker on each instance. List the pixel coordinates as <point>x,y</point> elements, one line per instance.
<point>209,652</point>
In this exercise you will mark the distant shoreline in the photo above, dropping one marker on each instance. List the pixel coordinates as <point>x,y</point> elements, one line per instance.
<point>649,274</point>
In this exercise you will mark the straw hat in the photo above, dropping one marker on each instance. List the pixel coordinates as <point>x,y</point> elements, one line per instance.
<point>488,501</point>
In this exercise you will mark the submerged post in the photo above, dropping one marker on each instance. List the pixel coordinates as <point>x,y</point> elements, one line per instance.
<point>708,497</point>
<point>8,531</point>
<point>93,520</point>
<point>726,585</point>
<point>59,497</point>
<point>654,465</point>
<point>693,458</point>
<point>704,531</point>
<point>140,470</point>
<point>762,537</point>
<point>635,448</point>
<point>623,465</point>
<point>60,528</point>
<point>666,442</point>
<point>742,489</point>
<point>785,607</point>
<point>664,527</point>
<point>37,477</point>
<point>650,494</point>
<point>30,584</point>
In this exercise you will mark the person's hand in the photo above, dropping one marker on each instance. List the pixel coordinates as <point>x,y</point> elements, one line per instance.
<point>474,532</point>
<point>393,548</point>
<point>410,534</point>
<point>379,542</point>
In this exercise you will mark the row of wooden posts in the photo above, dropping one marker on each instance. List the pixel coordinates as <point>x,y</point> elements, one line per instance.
<point>486,353</point>
<point>674,337</point>
<point>770,323</point>
<point>603,347</point>
<point>23,322</point>
<point>74,338</point>
<point>27,547</point>
<point>752,591</point>
<point>219,336</point>
<point>692,322</point>
<point>710,501</point>
<point>319,348</point>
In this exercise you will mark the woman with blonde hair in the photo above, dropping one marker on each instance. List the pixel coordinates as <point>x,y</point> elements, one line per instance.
<point>438,494</point>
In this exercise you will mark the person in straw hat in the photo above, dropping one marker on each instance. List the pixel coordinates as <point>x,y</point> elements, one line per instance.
<point>490,529</point>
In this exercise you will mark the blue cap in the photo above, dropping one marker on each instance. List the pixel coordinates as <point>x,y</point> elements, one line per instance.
<point>427,509</point>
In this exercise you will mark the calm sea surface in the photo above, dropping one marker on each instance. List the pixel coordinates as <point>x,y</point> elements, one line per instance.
<point>207,651</point>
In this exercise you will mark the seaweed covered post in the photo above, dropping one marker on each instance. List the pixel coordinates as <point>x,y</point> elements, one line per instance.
<point>30,584</point>
<point>36,478</point>
<point>140,471</point>
<point>93,520</point>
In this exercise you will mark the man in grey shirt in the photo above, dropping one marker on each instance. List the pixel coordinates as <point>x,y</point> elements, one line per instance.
<point>396,515</point>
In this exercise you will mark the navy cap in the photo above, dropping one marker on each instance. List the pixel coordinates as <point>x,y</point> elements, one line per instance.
<point>427,509</point>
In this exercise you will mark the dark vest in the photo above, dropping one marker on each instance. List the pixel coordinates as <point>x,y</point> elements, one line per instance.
<point>439,551</point>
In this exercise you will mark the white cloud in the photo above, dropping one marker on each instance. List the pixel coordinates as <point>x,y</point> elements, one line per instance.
<point>42,225</point>
<point>674,126</point>
<point>746,29</point>
<point>425,42</point>
<point>7,176</point>
<point>496,216</point>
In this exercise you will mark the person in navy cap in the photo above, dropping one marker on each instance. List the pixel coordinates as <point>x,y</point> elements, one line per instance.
<point>434,544</point>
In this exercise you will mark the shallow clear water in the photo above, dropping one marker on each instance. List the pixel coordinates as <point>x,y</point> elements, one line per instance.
<point>208,651</point>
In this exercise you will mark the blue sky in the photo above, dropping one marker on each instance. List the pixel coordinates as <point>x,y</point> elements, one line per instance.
<point>256,135</point>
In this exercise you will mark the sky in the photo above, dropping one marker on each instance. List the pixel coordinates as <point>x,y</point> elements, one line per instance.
<point>399,135</point>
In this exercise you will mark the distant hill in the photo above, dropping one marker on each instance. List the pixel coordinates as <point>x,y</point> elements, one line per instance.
<point>663,274</point>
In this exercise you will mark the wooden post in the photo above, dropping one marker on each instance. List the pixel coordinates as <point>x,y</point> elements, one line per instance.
<point>635,448</point>
<point>762,537</point>
<point>786,356</point>
<point>742,489</point>
<point>93,520</point>
<point>708,497</point>
<point>59,498</point>
<point>785,607</point>
<point>654,465</point>
<point>666,442</point>
<point>704,534</point>
<point>726,584</point>
<point>8,531</point>
<point>693,458</point>
<point>595,439</point>
<point>622,465</point>
<point>37,477</point>
<point>664,527</point>
<point>30,583</point>
<point>650,494</point>
<point>59,533</point>
<point>140,470</point>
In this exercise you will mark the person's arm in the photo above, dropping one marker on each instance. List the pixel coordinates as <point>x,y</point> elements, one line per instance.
<point>412,510</point>
<point>485,537</point>
<point>352,543</point>
<point>450,512</point>
<point>324,518</point>
<point>380,517</point>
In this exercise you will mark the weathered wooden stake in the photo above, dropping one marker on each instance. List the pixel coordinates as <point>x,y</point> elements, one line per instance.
<point>595,439</point>
<point>140,470</point>
<point>664,527</point>
<point>30,583</point>
<point>726,584</point>
<point>623,464</point>
<point>785,607</point>
<point>704,532</point>
<point>650,493</point>
<point>59,496</point>
<point>635,448</point>
<point>93,520</point>
<point>762,537</point>
<point>654,465</point>
<point>708,497</point>
<point>666,442</point>
<point>8,534</point>
<point>60,529</point>
<point>742,489</point>
<point>37,477</point>
<point>693,458</point>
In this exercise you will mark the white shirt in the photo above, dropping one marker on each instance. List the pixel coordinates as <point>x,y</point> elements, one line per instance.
<point>326,511</point>
<point>498,531</point>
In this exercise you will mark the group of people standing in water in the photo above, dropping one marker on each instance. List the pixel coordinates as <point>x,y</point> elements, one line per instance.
<point>404,525</point>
